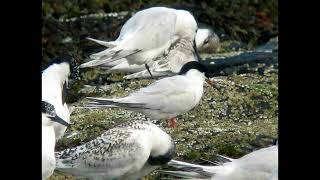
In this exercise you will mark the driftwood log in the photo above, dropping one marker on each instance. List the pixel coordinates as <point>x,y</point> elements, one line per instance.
<point>219,64</point>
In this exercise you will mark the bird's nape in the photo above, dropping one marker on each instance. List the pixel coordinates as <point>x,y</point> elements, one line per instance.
<point>192,65</point>
<point>195,65</point>
<point>74,73</point>
<point>64,58</point>
<point>74,69</point>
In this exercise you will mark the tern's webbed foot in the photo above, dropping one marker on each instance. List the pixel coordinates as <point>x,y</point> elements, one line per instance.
<point>172,123</point>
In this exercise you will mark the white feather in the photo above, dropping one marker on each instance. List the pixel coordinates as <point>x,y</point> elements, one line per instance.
<point>53,79</point>
<point>164,99</point>
<point>48,143</point>
<point>139,71</point>
<point>119,153</point>
<point>147,35</point>
<point>258,165</point>
<point>103,43</point>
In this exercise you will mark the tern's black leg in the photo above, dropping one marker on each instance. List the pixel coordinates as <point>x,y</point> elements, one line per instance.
<point>274,142</point>
<point>147,67</point>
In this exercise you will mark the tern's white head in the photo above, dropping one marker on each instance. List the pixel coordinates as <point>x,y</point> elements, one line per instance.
<point>54,84</point>
<point>207,41</point>
<point>61,68</point>
<point>163,147</point>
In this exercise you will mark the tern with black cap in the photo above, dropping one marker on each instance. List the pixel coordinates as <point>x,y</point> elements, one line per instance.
<point>165,98</point>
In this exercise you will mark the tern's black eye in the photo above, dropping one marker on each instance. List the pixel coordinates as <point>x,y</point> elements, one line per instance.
<point>206,41</point>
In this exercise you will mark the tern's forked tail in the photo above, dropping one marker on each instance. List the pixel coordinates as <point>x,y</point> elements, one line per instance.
<point>105,103</point>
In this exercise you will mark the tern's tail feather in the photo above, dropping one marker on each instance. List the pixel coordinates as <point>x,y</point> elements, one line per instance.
<point>184,174</point>
<point>156,71</point>
<point>193,171</point>
<point>95,62</point>
<point>103,103</point>
<point>110,44</point>
<point>182,165</point>
<point>145,74</point>
<point>115,63</point>
<point>107,56</point>
<point>127,68</point>
<point>112,66</point>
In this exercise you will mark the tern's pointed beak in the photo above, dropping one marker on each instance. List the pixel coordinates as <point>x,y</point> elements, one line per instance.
<point>60,121</point>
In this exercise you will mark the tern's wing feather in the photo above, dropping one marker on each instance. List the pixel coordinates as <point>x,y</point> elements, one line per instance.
<point>156,71</point>
<point>164,86</point>
<point>261,164</point>
<point>146,24</point>
<point>126,67</point>
<point>133,35</point>
<point>264,160</point>
<point>113,151</point>
<point>48,143</point>
<point>108,56</point>
<point>146,74</point>
<point>169,94</point>
<point>103,43</point>
<point>184,174</point>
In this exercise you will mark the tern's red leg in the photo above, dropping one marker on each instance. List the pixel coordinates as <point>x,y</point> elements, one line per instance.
<point>172,122</point>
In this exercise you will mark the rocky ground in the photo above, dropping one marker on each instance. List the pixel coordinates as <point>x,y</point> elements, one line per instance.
<point>237,116</point>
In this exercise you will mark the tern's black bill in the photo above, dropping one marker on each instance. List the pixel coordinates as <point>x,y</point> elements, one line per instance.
<point>59,120</point>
